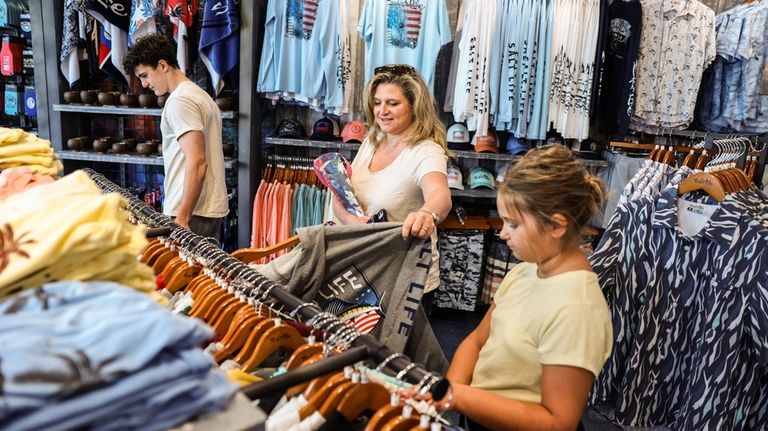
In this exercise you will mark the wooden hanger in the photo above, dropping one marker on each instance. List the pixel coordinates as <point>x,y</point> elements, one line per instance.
<point>153,245</point>
<point>690,159</point>
<point>669,157</point>
<point>334,398</point>
<point>181,277</point>
<point>316,400</point>
<point>363,397</point>
<point>701,162</point>
<point>384,414</point>
<point>704,181</point>
<point>162,259</point>
<point>206,299</point>
<point>214,306</point>
<point>253,339</point>
<point>248,255</point>
<point>304,387</point>
<point>172,265</point>
<point>301,354</point>
<point>156,252</point>
<point>229,306</point>
<point>239,335</point>
<point>402,422</point>
<point>279,336</point>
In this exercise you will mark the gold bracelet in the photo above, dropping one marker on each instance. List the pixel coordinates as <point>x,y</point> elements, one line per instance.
<point>435,217</point>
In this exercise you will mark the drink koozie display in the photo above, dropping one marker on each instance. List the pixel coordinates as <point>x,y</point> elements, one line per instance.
<point>30,101</point>
<point>12,99</point>
<point>11,55</point>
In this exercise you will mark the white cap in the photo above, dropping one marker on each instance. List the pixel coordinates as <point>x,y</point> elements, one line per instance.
<point>457,134</point>
<point>455,179</point>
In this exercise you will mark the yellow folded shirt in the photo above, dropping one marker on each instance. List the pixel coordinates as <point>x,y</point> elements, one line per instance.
<point>29,159</point>
<point>11,136</point>
<point>62,221</point>
<point>22,149</point>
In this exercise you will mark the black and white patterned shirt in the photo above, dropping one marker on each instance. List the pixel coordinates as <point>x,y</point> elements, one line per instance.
<point>689,314</point>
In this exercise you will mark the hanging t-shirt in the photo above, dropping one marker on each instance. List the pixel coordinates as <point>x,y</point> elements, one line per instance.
<point>404,31</point>
<point>299,56</point>
<point>376,288</point>
<point>617,88</point>
<point>472,90</point>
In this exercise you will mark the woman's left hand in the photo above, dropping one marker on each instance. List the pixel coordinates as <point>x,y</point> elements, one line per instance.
<point>419,224</point>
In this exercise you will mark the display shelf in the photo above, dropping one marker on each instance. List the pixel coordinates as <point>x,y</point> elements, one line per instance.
<point>459,154</point>
<point>119,110</point>
<point>131,159</point>
<point>311,144</point>
<point>483,156</point>
<point>474,193</point>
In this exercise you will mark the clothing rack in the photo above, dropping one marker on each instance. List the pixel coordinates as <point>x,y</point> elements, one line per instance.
<point>754,146</point>
<point>276,158</point>
<point>223,265</point>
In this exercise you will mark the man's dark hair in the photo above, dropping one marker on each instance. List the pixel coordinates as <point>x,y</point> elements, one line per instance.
<point>148,51</point>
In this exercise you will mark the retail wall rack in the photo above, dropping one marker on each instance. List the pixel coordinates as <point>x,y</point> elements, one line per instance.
<point>55,120</point>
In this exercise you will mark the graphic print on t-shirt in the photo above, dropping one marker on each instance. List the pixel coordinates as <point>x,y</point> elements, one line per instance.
<point>621,30</point>
<point>301,16</point>
<point>350,296</point>
<point>403,23</point>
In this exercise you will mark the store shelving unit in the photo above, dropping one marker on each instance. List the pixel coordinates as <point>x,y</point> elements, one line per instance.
<point>119,110</point>
<point>57,121</point>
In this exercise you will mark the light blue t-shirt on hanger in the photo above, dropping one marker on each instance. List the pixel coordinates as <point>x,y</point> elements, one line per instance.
<point>404,31</point>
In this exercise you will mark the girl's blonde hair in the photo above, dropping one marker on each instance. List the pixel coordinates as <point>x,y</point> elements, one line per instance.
<point>549,180</point>
<point>425,123</point>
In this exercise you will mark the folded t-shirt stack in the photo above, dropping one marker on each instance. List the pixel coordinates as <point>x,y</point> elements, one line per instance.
<point>20,148</point>
<point>101,356</point>
<point>17,180</point>
<point>69,230</point>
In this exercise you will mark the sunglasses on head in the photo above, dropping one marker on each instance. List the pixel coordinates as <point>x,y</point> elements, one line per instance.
<point>395,69</point>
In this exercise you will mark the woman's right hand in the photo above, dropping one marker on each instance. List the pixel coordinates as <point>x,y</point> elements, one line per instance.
<point>344,216</point>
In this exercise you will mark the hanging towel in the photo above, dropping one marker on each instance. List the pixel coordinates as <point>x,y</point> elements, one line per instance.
<point>70,66</point>
<point>142,19</point>
<point>181,14</point>
<point>220,40</point>
<point>116,21</point>
<point>105,52</point>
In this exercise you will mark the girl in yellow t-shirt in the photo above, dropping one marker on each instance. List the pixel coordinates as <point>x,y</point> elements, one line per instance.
<point>531,362</point>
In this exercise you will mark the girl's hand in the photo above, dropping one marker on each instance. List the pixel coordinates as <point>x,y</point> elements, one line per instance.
<point>444,404</point>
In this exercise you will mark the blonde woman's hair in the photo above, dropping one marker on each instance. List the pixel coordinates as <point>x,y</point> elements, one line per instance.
<point>549,180</point>
<point>425,124</point>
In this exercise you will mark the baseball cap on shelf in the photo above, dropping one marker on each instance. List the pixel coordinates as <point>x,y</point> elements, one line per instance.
<point>325,129</point>
<point>480,177</point>
<point>290,129</point>
<point>587,149</point>
<point>487,143</point>
<point>354,131</point>
<point>458,137</point>
<point>516,146</point>
<point>455,178</point>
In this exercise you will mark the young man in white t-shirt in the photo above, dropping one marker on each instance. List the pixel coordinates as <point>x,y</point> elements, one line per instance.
<point>195,188</point>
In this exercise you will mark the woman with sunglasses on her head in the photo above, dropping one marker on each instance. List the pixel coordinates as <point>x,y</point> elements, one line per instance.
<point>401,164</point>
<point>531,362</point>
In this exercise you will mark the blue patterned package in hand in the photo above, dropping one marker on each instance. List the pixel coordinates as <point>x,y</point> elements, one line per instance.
<point>334,171</point>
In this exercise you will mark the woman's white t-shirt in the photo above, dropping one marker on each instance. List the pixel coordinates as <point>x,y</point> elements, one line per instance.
<point>397,187</point>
